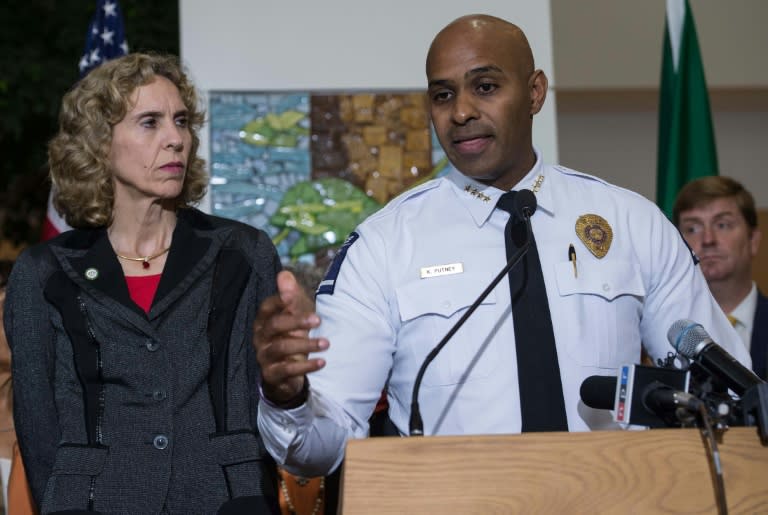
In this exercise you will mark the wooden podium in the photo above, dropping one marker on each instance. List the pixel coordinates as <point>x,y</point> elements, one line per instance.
<point>656,471</point>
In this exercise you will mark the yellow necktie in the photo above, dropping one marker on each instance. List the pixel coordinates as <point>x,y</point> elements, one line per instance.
<point>733,320</point>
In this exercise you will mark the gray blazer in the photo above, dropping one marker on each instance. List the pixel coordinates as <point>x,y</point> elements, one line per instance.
<point>118,411</point>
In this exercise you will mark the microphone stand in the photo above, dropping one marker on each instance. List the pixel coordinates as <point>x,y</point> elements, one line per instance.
<point>416,424</point>
<point>710,441</point>
<point>754,406</point>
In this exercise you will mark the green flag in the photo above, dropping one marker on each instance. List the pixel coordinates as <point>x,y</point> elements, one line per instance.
<point>686,139</point>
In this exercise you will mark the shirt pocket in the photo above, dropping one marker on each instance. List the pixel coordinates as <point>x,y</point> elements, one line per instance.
<point>601,307</point>
<point>429,308</point>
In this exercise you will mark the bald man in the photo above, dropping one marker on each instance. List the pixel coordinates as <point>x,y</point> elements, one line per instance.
<point>615,273</point>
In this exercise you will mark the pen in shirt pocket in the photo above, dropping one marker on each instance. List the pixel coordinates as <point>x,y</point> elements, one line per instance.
<point>572,259</point>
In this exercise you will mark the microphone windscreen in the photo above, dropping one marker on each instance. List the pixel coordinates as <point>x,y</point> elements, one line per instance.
<point>524,204</point>
<point>599,392</point>
<point>685,336</point>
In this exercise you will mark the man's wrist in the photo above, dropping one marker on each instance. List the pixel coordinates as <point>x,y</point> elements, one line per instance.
<point>294,402</point>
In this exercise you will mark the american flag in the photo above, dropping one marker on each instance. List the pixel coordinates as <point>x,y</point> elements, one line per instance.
<point>105,39</point>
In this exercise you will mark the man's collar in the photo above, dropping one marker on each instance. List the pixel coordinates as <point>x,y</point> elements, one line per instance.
<point>745,311</point>
<point>480,199</point>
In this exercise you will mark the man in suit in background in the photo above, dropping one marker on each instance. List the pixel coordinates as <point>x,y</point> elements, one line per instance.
<point>717,218</point>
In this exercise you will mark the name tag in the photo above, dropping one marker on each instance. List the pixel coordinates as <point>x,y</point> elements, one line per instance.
<point>438,270</point>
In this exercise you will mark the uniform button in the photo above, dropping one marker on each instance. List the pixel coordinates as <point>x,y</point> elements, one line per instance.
<point>158,395</point>
<point>152,346</point>
<point>160,442</point>
<point>447,304</point>
<point>606,287</point>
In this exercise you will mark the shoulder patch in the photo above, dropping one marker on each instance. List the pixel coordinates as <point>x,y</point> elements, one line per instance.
<point>329,282</point>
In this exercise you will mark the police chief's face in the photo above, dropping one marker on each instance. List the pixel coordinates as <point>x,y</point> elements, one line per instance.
<point>483,92</point>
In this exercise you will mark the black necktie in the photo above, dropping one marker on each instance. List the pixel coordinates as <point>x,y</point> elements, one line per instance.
<point>541,390</point>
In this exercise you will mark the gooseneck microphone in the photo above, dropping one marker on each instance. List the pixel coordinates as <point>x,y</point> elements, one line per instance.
<point>692,341</point>
<point>524,207</point>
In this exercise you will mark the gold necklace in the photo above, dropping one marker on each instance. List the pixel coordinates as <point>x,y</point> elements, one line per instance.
<point>144,260</point>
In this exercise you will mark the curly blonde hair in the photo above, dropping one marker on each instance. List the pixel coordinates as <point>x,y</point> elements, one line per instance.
<point>78,156</point>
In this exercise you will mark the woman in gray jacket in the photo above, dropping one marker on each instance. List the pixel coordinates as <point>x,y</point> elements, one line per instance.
<point>135,378</point>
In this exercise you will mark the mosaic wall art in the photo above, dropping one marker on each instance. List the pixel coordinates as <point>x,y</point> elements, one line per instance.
<point>309,167</point>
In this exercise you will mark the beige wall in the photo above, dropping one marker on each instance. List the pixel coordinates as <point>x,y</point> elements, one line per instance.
<point>607,56</point>
<point>618,141</point>
<point>617,43</point>
<point>760,263</point>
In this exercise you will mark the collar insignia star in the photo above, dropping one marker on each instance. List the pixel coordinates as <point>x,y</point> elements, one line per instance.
<point>476,193</point>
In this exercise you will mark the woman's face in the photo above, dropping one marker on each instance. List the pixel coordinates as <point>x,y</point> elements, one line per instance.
<point>150,146</point>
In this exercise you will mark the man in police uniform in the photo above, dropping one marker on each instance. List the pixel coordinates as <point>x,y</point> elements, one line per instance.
<point>717,217</point>
<point>410,271</point>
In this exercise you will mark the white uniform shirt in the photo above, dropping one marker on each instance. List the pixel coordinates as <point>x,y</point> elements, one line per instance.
<point>383,317</point>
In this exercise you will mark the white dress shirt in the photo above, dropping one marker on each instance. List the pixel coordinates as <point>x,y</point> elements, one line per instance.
<point>417,265</point>
<point>744,314</point>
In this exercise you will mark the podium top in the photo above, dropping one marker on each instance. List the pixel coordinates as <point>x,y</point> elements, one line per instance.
<point>657,471</point>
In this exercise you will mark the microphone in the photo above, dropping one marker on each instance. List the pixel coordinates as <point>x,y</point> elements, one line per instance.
<point>691,340</point>
<point>524,205</point>
<point>660,398</point>
<point>640,395</point>
<point>599,392</point>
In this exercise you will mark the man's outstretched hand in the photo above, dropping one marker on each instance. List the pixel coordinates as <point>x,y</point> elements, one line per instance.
<point>282,342</point>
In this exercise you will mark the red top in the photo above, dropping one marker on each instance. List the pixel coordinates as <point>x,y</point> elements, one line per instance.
<point>142,289</point>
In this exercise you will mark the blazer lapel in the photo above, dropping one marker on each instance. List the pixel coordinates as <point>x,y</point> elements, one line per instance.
<point>193,251</point>
<point>89,260</point>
